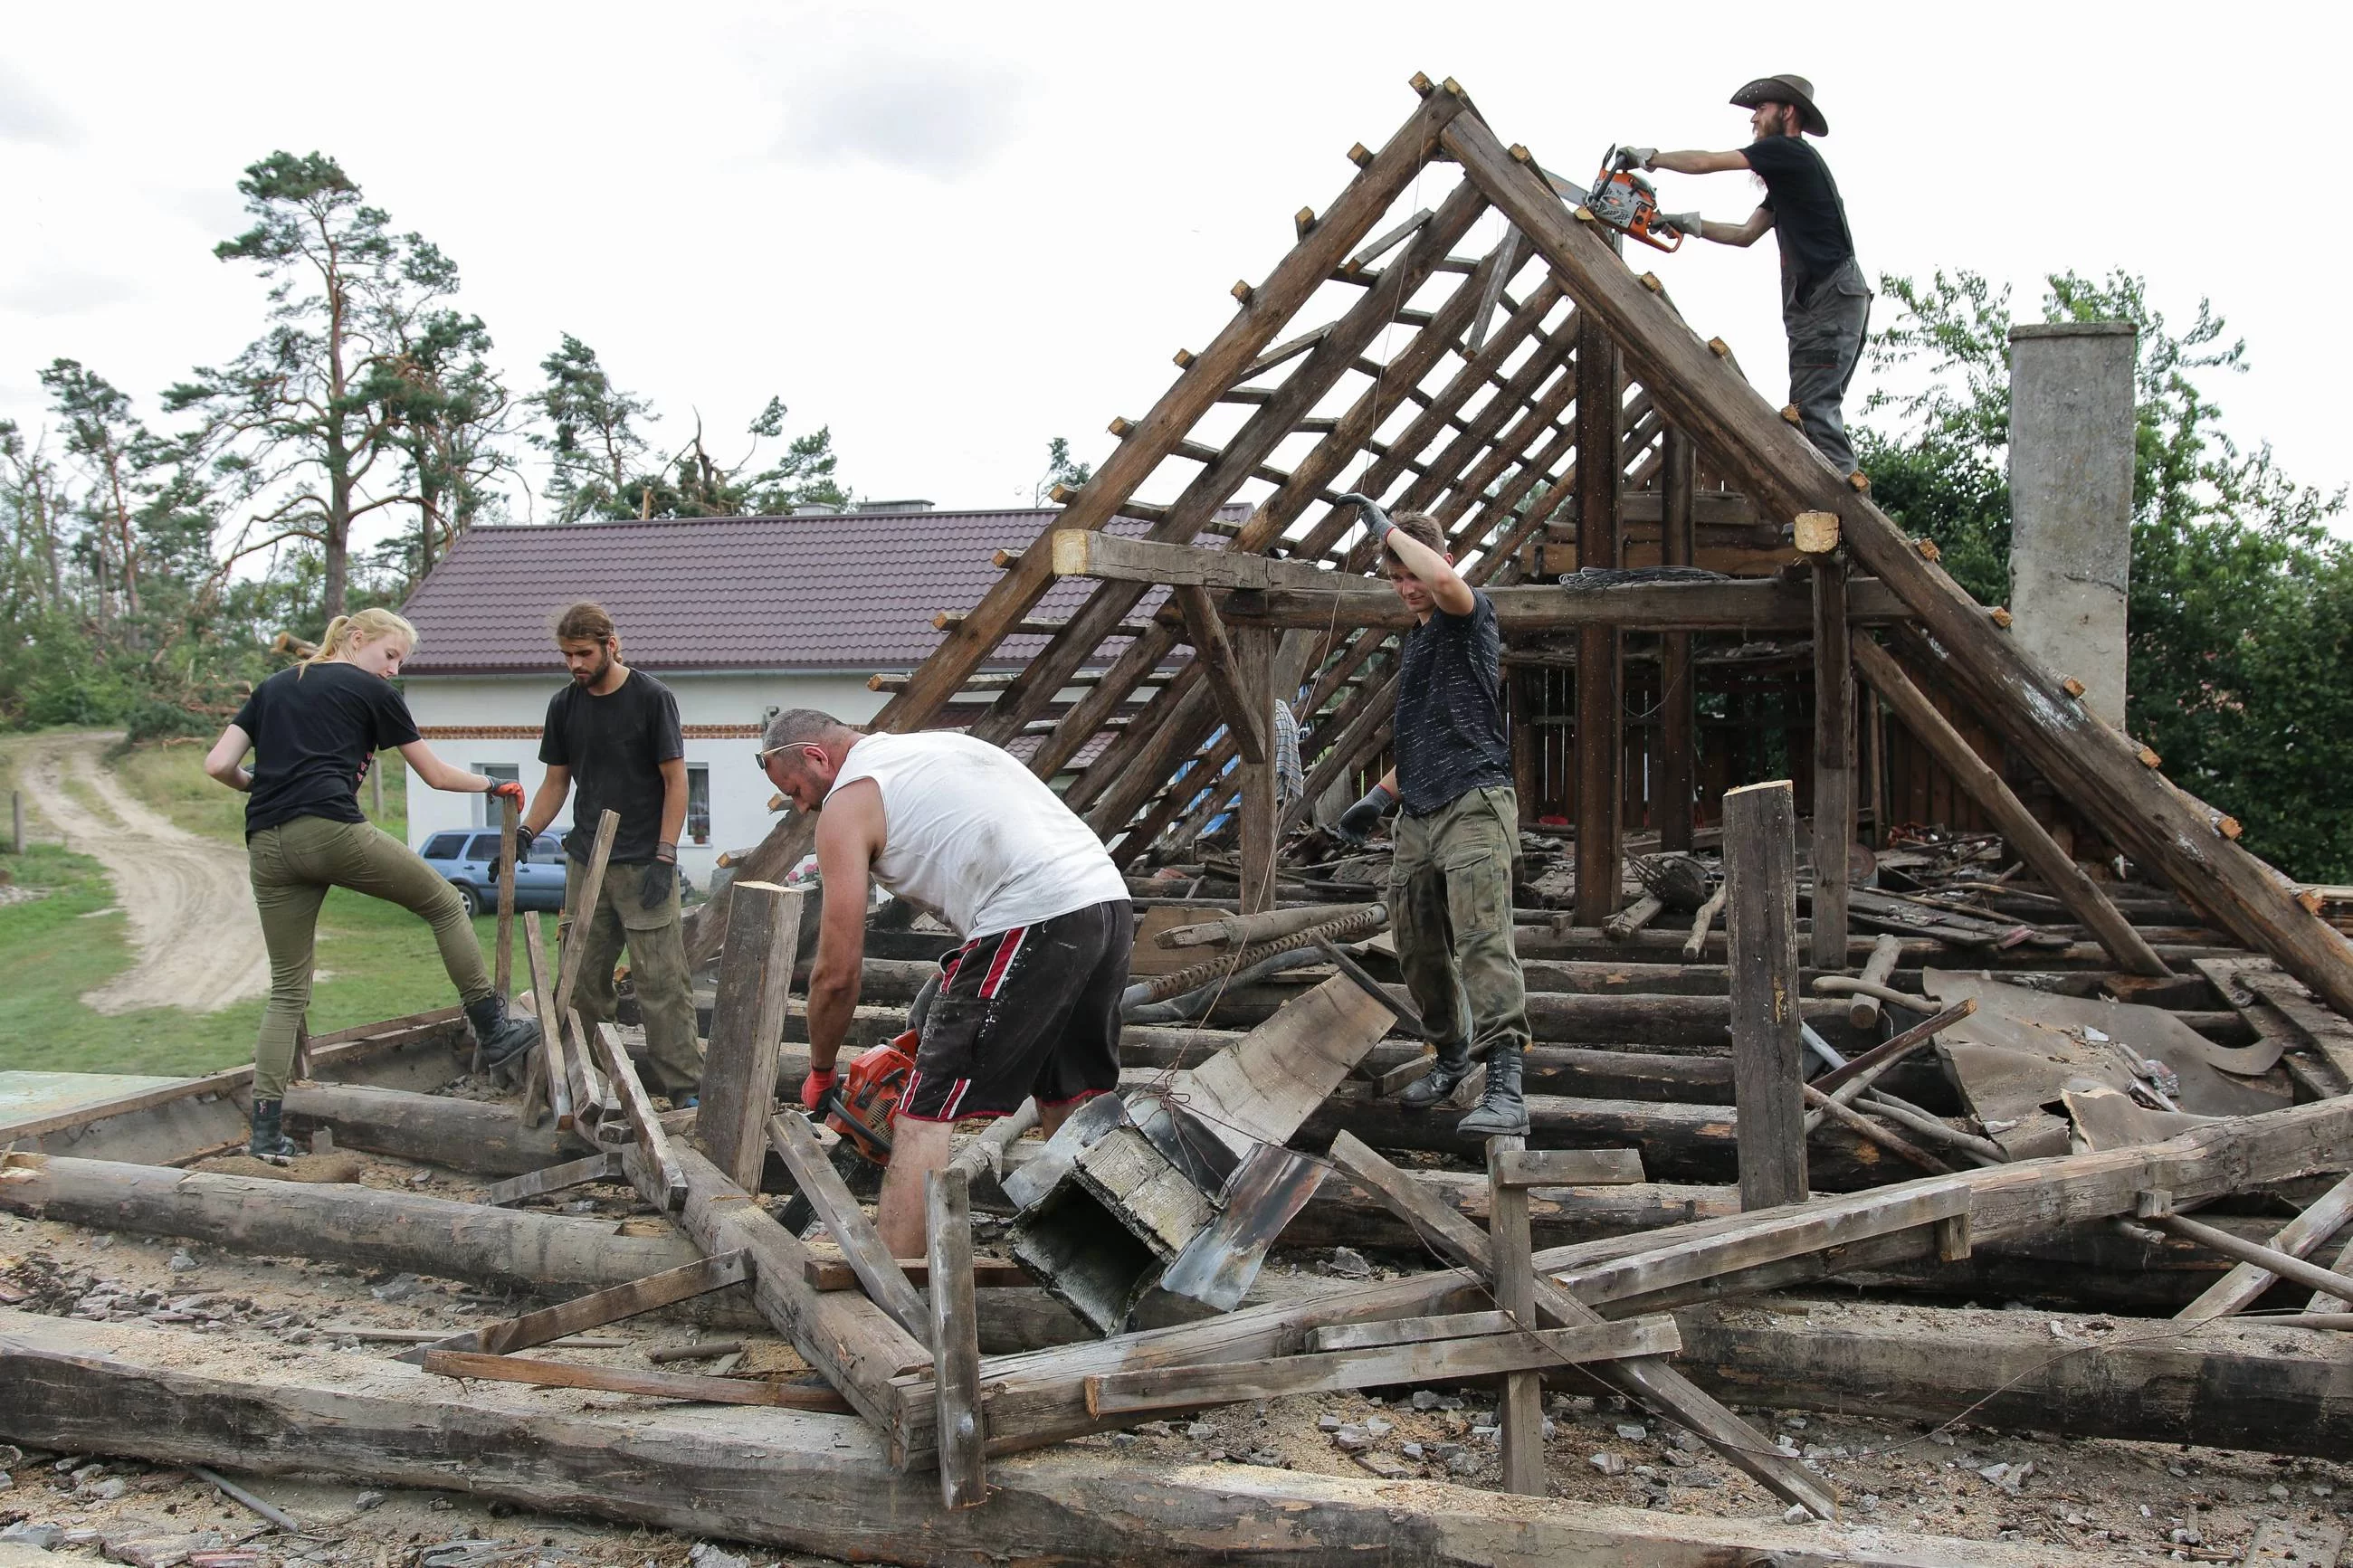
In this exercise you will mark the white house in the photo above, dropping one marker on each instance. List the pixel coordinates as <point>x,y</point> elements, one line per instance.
<point>740,616</point>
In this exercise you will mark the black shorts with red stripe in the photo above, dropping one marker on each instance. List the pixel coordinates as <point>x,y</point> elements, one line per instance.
<point>1031,1011</point>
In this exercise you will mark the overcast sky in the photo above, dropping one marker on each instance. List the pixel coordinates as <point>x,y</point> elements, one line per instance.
<point>952,231</point>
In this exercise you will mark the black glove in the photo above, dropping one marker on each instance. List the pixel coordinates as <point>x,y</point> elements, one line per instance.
<point>662,877</point>
<point>523,848</point>
<point>1376,521</point>
<point>1356,823</point>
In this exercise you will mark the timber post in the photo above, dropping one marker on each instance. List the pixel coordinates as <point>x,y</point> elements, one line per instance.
<point>1760,922</point>
<point>1600,710</point>
<point>1521,1412</point>
<point>1833,755</point>
<point>747,1030</point>
<point>16,822</point>
<point>1677,474</point>
<point>1254,649</point>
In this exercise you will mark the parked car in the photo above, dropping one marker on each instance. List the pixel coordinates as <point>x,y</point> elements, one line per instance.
<point>471,862</point>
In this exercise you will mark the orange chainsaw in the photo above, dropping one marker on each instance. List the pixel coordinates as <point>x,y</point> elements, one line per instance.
<point>860,1104</point>
<point>1627,203</point>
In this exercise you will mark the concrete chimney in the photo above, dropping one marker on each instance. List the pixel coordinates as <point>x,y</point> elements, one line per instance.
<point>2071,501</point>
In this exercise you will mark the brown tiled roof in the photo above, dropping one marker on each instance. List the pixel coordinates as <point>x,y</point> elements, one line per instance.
<point>851,591</point>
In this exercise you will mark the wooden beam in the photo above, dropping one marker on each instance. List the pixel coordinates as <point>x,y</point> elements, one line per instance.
<point>652,1142</point>
<point>1756,604</point>
<point>1254,661</point>
<point>1409,1330</point>
<point>747,1030</point>
<point>1678,757</point>
<point>1833,761</point>
<point>1216,653</point>
<point>820,1484</point>
<point>575,940</point>
<point>1993,793</point>
<point>1432,1361</point>
<point>2098,768</point>
<point>1862,1011</point>
<point>1116,558</point>
<point>685,1385</point>
<point>955,1340</point>
<point>555,1178</point>
<point>598,1308</point>
<point>861,1245</point>
<point>2284,1265</point>
<point>988,1273</point>
<point>1526,1167</point>
<point>509,818</point>
<point>1600,736</point>
<point>1653,1382</point>
<point>1760,922</point>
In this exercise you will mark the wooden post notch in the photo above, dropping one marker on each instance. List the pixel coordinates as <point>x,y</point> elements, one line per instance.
<point>1760,922</point>
<point>747,1030</point>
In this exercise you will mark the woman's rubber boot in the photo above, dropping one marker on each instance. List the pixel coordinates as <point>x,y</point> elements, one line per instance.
<point>1501,1111</point>
<point>499,1036</point>
<point>269,1140</point>
<point>1430,1087</point>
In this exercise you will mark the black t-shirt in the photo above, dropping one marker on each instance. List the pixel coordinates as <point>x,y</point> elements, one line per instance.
<point>1450,710</point>
<point>315,730</point>
<point>1808,215</point>
<point>614,746</point>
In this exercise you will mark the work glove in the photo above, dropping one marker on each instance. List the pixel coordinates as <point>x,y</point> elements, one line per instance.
<point>1683,223</point>
<point>1356,823</point>
<point>814,1089</point>
<point>508,789</point>
<point>522,847</point>
<point>1376,521</point>
<point>1636,157</point>
<point>660,878</point>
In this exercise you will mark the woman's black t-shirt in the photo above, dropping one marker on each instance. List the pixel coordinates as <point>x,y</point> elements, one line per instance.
<point>315,730</point>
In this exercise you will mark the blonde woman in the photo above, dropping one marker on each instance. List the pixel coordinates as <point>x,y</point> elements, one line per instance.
<point>314,730</point>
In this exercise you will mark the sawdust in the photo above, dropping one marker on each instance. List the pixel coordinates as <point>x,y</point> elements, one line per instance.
<point>170,882</point>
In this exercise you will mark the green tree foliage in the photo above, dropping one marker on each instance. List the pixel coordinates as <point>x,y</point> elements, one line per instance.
<point>1062,469</point>
<point>602,466</point>
<point>2239,656</point>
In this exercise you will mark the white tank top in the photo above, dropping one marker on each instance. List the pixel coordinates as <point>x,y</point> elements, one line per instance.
<point>975,836</point>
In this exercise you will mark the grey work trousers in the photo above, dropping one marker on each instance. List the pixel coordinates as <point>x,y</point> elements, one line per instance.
<point>1826,329</point>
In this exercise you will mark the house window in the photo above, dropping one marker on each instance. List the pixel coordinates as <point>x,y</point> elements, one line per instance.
<point>698,804</point>
<point>496,772</point>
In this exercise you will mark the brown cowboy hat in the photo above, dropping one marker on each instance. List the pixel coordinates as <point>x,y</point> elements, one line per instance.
<point>1784,89</point>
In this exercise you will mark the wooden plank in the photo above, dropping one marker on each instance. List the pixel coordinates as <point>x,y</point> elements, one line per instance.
<point>1116,558</point>
<point>1759,1239</point>
<point>588,1084</point>
<point>988,1273</point>
<point>2295,1270</point>
<point>1833,762</point>
<point>1409,1330</point>
<point>1871,1063</point>
<point>1261,1088</point>
<point>509,818</point>
<point>1520,1415</point>
<point>551,1077</point>
<point>1434,1361</point>
<point>555,1178</point>
<point>955,1340</point>
<point>1758,604</point>
<point>1211,647</point>
<point>2097,767</point>
<point>1678,712</point>
<point>592,887</point>
<point>1601,751</point>
<point>618,1380</point>
<point>2323,1029</point>
<point>790,1136</point>
<point>595,1310</point>
<point>1564,1167</point>
<point>2033,843</point>
<point>1654,1383</point>
<point>1760,922</point>
<point>645,1127</point>
<point>747,1028</point>
<point>2300,1237</point>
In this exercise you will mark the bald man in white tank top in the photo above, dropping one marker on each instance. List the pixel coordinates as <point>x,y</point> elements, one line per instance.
<point>1029,1003</point>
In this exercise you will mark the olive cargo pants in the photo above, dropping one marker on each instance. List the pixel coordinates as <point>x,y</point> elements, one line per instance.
<point>291,867</point>
<point>1450,908</point>
<point>657,946</point>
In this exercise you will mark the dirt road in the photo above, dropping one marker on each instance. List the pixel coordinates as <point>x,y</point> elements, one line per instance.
<point>195,940</point>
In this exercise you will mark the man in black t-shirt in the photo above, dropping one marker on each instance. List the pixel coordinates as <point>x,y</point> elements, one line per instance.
<point>1451,877</point>
<point>614,732</point>
<point>1825,303</point>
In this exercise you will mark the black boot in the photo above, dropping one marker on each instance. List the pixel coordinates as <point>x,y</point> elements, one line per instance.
<point>1453,1067</point>
<point>499,1036</point>
<point>1501,1110</point>
<point>269,1140</point>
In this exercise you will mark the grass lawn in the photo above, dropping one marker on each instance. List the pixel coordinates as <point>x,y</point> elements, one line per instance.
<point>375,961</point>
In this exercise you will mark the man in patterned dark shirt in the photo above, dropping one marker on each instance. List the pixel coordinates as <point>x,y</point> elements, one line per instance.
<point>1451,882</point>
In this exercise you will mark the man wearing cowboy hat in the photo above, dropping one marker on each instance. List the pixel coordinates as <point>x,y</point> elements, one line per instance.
<point>1825,303</point>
